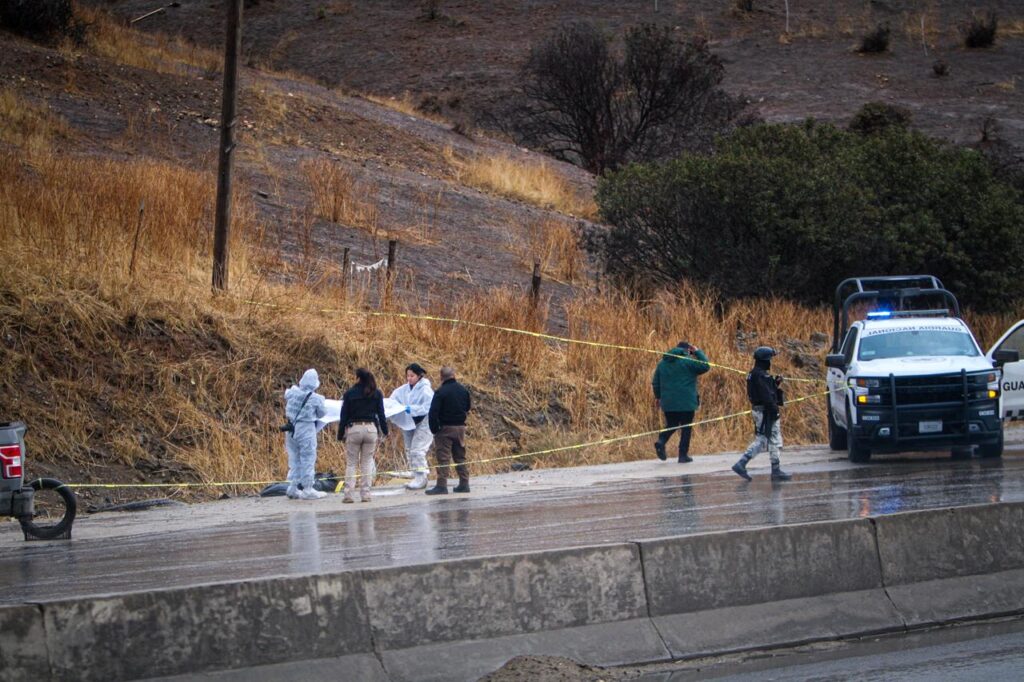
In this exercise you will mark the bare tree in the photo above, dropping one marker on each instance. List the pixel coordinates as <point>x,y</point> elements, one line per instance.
<point>583,103</point>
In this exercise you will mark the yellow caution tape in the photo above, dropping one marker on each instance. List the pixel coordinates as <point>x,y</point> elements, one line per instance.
<point>524,332</point>
<point>536,453</point>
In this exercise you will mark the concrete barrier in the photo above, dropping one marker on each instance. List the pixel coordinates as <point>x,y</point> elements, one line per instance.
<point>213,626</point>
<point>505,595</point>
<point>23,654</point>
<point>954,564</point>
<point>949,543</point>
<point>712,570</point>
<point>610,604</point>
<point>765,587</point>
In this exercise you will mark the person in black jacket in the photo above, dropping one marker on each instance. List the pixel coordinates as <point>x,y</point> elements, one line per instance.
<point>766,397</point>
<point>447,421</point>
<point>362,417</point>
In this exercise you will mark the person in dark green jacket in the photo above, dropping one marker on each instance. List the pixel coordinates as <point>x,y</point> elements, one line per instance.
<point>675,393</point>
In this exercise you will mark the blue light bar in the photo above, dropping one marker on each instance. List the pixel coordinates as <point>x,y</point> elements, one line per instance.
<point>879,314</point>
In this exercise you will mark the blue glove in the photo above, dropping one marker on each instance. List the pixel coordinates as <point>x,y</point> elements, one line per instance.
<point>408,410</point>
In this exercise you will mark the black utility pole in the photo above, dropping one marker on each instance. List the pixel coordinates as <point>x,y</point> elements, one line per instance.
<point>228,119</point>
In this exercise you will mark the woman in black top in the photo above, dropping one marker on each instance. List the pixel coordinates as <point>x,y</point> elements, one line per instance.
<point>362,416</point>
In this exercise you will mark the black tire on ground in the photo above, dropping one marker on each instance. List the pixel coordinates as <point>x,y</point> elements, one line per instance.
<point>991,451</point>
<point>855,450</point>
<point>836,433</point>
<point>962,453</point>
<point>45,531</point>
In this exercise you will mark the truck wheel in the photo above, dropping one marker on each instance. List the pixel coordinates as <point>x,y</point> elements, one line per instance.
<point>855,451</point>
<point>991,451</point>
<point>836,434</point>
<point>54,511</point>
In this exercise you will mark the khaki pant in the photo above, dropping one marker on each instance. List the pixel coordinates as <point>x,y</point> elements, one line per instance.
<point>360,445</point>
<point>449,444</point>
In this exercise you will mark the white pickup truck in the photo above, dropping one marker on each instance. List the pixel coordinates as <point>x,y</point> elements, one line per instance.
<point>906,378</point>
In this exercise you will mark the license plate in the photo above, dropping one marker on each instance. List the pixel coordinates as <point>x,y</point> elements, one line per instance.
<point>930,427</point>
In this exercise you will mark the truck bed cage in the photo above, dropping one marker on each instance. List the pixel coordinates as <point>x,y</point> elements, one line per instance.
<point>895,290</point>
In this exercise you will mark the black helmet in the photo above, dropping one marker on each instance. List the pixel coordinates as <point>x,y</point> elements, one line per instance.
<point>764,353</point>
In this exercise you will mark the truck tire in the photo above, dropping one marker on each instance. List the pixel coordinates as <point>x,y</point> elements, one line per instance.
<point>48,531</point>
<point>836,433</point>
<point>855,450</point>
<point>991,451</point>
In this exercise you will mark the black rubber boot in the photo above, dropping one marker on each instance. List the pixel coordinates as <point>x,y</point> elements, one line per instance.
<point>740,468</point>
<point>438,490</point>
<point>685,459</point>
<point>779,475</point>
<point>659,448</point>
<point>462,487</point>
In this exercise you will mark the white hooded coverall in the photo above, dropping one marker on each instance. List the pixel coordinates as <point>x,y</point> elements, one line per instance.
<point>418,440</point>
<point>301,444</point>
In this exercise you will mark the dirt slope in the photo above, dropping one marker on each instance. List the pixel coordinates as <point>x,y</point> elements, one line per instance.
<point>453,238</point>
<point>467,55</point>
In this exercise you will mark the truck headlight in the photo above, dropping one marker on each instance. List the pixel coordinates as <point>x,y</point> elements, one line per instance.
<point>868,399</point>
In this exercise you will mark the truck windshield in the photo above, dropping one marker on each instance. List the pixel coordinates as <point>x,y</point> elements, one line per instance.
<point>927,342</point>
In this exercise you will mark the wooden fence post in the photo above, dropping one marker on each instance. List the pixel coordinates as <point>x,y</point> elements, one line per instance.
<point>389,277</point>
<point>135,243</point>
<point>535,284</point>
<point>345,267</point>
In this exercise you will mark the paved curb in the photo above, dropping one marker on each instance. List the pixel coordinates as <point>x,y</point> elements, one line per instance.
<point>626,603</point>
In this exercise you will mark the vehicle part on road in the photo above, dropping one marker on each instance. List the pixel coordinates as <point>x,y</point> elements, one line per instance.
<point>855,450</point>
<point>54,511</point>
<point>908,374</point>
<point>24,502</point>
<point>992,451</point>
<point>836,433</point>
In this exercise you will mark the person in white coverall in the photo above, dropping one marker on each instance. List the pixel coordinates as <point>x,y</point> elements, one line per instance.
<point>416,395</point>
<point>303,406</point>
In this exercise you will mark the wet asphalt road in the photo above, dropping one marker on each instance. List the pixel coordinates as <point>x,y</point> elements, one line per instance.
<point>308,542</point>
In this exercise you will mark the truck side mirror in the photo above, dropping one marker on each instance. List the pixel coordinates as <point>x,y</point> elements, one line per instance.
<point>1001,357</point>
<point>836,360</point>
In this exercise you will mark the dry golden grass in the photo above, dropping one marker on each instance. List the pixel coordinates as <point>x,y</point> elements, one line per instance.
<point>109,38</point>
<point>535,182</point>
<point>1012,27</point>
<point>269,101</point>
<point>555,244</point>
<point>406,104</point>
<point>82,216</point>
<point>156,375</point>
<point>150,377</point>
<point>29,126</point>
<point>339,198</point>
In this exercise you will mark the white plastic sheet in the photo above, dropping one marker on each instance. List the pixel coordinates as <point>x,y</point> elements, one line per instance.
<point>393,410</point>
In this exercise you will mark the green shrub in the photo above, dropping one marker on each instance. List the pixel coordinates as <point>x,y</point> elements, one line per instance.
<point>877,40</point>
<point>791,210</point>
<point>874,117</point>
<point>39,19</point>
<point>980,31</point>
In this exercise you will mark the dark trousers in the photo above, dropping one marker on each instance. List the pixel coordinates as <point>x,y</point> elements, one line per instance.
<point>673,419</point>
<point>449,444</point>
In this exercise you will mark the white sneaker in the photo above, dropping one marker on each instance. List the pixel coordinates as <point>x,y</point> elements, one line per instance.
<point>311,494</point>
<point>418,482</point>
